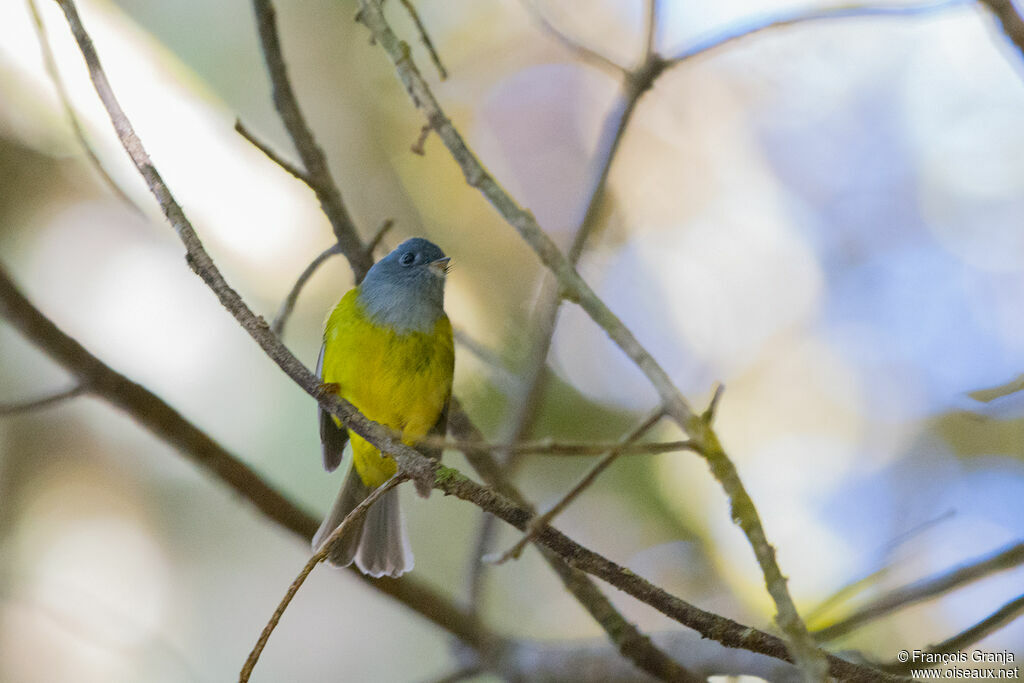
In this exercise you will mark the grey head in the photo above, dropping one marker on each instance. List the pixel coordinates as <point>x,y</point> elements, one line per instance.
<point>405,289</point>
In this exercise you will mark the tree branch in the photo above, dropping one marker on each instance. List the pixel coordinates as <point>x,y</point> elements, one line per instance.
<point>167,424</point>
<point>581,51</point>
<point>69,111</point>
<point>575,288</point>
<point>420,468</point>
<point>353,517</point>
<point>924,589</point>
<point>713,626</point>
<point>540,521</point>
<point>288,166</point>
<point>18,407</point>
<point>425,38</point>
<point>1010,21</point>
<point>961,641</point>
<point>317,171</point>
<point>738,32</point>
<point>651,28</point>
<point>288,305</point>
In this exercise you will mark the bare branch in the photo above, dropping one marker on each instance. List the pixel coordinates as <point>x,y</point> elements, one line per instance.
<point>709,413</point>
<point>481,351</point>
<point>1010,20</point>
<point>961,641</point>
<point>725,631</point>
<point>627,638</point>
<point>288,305</point>
<point>167,424</point>
<point>383,229</point>
<point>743,511</point>
<point>741,31</point>
<point>550,447</point>
<point>69,111</point>
<point>43,402</point>
<point>586,54</point>
<point>540,521</point>
<point>313,159</point>
<point>353,517</point>
<point>425,37</point>
<point>421,469</point>
<point>1007,558</point>
<point>292,169</point>
<point>651,29</point>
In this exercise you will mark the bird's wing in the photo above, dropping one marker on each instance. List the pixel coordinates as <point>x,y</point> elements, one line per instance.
<point>332,437</point>
<point>440,428</point>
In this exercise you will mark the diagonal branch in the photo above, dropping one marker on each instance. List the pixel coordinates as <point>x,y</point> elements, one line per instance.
<point>421,469</point>
<point>270,153</point>
<point>16,408</point>
<point>353,517</point>
<point>587,54</point>
<point>924,589</point>
<point>651,28</point>
<point>1010,20</point>
<point>69,111</point>
<point>317,171</point>
<point>425,38</point>
<point>803,16</point>
<point>167,424</point>
<point>575,288</point>
<point>540,521</point>
<point>963,640</point>
<point>713,626</point>
<point>288,305</point>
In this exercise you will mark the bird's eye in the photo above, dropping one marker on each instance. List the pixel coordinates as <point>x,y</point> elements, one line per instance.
<point>407,258</point>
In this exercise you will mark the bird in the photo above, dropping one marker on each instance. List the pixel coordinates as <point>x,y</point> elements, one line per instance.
<point>388,350</point>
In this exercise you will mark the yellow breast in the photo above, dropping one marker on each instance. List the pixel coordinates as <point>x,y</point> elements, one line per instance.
<point>402,381</point>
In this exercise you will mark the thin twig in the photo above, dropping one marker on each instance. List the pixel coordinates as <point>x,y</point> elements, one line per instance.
<point>630,642</point>
<point>709,413</point>
<point>651,28</point>
<point>425,37</point>
<point>548,447</point>
<point>809,659</point>
<point>382,230</point>
<point>421,469</point>
<point>540,521</point>
<point>69,111</point>
<point>319,556</point>
<point>483,352</point>
<point>288,305</point>
<point>581,51</point>
<point>1007,558</point>
<point>1010,20</point>
<point>318,172</point>
<point>170,426</point>
<point>730,634</point>
<point>550,300</point>
<point>19,407</point>
<point>740,31</point>
<point>167,424</point>
<point>288,166</point>
<point>417,147</point>
<point>963,640</point>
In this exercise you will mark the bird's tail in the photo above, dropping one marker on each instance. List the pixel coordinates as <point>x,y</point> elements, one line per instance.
<point>380,545</point>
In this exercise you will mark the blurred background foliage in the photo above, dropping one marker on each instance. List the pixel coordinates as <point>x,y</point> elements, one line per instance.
<point>826,218</point>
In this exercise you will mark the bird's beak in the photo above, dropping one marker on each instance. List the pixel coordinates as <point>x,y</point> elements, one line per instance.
<point>440,266</point>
